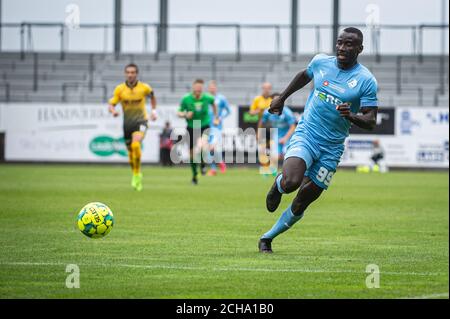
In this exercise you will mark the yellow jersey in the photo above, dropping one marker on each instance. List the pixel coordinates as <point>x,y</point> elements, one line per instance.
<point>260,103</point>
<point>132,100</point>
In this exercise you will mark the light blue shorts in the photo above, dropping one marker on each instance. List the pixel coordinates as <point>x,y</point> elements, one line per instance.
<point>321,160</point>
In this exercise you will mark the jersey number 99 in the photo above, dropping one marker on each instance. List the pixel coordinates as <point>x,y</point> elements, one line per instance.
<point>324,176</point>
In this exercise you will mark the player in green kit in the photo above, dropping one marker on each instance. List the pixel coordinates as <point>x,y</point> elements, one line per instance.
<point>194,107</point>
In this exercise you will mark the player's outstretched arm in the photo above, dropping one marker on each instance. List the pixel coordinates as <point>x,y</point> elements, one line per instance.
<point>183,111</point>
<point>112,110</point>
<point>153,103</point>
<point>299,81</point>
<point>367,120</point>
<point>114,101</point>
<point>226,109</point>
<point>216,118</point>
<point>185,114</point>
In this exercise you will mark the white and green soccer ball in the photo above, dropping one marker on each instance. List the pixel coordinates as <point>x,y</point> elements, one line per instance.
<point>95,220</point>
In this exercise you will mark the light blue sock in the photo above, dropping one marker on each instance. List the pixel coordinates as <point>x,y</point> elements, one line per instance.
<point>286,221</point>
<point>278,180</point>
<point>212,161</point>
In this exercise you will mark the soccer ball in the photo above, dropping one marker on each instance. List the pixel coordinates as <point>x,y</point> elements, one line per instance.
<point>95,220</point>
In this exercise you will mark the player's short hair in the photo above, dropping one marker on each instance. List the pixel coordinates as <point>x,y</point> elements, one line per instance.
<point>275,95</point>
<point>213,82</point>
<point>356,31</point>
<point>199,81</point>
<point>132,65</point>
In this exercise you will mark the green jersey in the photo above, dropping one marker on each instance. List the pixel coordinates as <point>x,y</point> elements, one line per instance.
<point>199,107</point>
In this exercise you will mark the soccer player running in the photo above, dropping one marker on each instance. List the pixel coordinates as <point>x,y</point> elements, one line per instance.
<point>285,126</point>
<point>258,106</point>
<point>132,95</point>
<point>194,107</point>
<point>345,93</point>
<point>215,131</point>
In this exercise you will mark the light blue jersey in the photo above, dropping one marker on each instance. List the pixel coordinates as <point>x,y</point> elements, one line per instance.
<point>282,122</point>
<point>223,110</point>
<point>320,134</point>
<point>334,86</point>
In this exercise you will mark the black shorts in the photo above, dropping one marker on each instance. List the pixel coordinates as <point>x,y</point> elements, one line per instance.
<point>377,157</point>
<point>130,127</point>
<point>190,131</point>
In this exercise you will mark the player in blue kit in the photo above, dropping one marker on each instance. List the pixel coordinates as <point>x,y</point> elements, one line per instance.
<point>215,131</point>
<point>285,124</point>
<point>345,93</point>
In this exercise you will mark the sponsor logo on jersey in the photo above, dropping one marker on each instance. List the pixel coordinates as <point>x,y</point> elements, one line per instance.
<point>328,98</point>
<point>198,106</point>
<point>132,102</point>
<point>333,86</point>
<point>352,83</point>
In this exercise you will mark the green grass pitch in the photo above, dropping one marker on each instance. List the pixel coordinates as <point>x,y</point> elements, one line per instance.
<point>174,240</point>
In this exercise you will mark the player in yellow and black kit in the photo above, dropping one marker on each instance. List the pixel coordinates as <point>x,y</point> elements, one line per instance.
<point>258,106</point>
<point>132,95</point>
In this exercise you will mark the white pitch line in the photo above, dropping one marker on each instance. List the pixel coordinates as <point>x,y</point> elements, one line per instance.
<point>432,296</point>
<point>181,267</point>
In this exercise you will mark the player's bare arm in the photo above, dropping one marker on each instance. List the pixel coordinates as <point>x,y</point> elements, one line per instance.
<point>367,120</point>
<point>185,114</point>
<point>260,123</point>
<point>153,103</point>
<point>288,134</point>
<point>216,120</point>
<point>299,81</point>
<point>112,110</point>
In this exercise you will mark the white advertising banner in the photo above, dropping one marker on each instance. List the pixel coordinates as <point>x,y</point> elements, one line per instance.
<point>88,133</point>
<point>2,118</point>
<point>421,139</point>
<point>79,132</point>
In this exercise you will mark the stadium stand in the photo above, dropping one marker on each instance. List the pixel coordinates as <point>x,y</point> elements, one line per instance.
<point>82,77</point>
